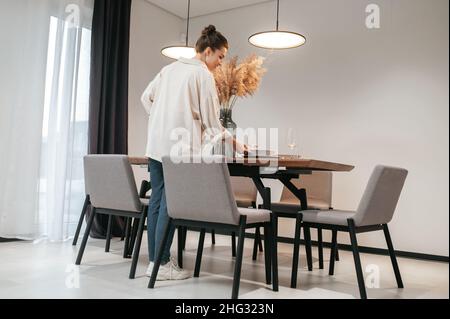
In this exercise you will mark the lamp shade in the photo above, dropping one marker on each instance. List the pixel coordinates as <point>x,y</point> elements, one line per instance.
<point>176,52</point>
<point>277,40</point>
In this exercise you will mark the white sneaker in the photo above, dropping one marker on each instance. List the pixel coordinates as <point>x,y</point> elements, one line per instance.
<point>169,271</point>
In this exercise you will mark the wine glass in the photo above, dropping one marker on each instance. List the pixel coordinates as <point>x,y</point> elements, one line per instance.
<point>292,140</point>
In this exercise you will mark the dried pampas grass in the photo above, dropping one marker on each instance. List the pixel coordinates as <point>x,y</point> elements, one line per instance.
<point>235,80</point>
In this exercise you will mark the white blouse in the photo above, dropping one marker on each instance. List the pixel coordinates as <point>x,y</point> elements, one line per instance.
<point>183,109</point>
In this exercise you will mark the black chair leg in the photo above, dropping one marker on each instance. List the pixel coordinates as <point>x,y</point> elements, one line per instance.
<point>124,232</point>
<point>108,234</point>
<point>233,244</point>
<point>180,246</point>
<point>213,237</point>
<point>126,249</point>
<point>198,260</point>
<point>333,252</point>
<point>308,247</point>
<point>151,283</point>
<point>359,272</point>
<point>185,230</point>
<point>337,250</point>
<point>267,251</point>
<point>320,247</point>
<point>274,253</point>
<point>298,226</point>
<point>260,244</point>
<point>387,235</point>
<point>85,237</point>
<point>184,237</point>
<point>239,254</point>
<point>80,221</point>
<point>137,246</point>
<point>134,230</point>
<point>256,243</point>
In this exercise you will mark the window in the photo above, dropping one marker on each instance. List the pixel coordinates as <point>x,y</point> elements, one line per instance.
<point>64,130</point>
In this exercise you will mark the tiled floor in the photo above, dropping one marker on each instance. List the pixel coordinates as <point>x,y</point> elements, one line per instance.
<point>46,270</point>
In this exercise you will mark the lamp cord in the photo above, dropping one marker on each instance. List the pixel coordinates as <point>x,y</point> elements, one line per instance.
<point>187,28</point>
<point>278,11</point>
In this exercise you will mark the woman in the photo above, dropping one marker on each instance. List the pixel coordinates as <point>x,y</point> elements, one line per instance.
<point>181,102</point>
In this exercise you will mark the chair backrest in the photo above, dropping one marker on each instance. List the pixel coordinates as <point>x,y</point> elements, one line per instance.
<point>110,181</point>
<point>380,198</point>
<point>243,187</point>
<point>318,185</point>
<point>199,190</point>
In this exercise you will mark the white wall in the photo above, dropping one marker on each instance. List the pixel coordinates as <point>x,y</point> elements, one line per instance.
<point>360,96</point>
<point>356,95</point>
<point>151,29</point>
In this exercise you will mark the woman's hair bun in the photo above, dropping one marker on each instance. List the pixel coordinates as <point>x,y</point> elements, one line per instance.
<point>211,38</point>
<point>209,30</point>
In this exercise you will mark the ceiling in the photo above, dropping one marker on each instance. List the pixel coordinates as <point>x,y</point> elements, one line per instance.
<point>202,7</point>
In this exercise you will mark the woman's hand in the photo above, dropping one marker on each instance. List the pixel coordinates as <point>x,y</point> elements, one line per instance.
<point>241,148</point>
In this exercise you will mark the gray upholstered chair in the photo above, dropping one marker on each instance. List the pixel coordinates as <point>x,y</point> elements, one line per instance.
<point>318,186</point>
<point>199,194</point>
<point>112,191</point>
<point>244,191</point>
<point>128,230</point>
<point>374,212</point>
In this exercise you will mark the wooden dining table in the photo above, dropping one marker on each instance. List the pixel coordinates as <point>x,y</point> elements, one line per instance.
<point>283,168</point>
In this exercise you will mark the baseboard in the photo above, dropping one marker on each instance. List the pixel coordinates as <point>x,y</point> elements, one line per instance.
<point>7,240</point>
<point>372,250</point>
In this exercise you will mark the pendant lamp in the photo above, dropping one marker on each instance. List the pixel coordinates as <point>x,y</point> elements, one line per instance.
<point>277,39</point>
<point>179,51</point>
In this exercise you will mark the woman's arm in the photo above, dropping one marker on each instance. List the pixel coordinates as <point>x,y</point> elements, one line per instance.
<point>239,147</point>
<point>148,96</point>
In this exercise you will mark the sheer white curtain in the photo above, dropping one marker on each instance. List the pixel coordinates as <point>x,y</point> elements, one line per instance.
<point>43,115</point>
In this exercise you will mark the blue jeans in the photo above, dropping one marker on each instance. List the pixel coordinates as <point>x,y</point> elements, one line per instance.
<point>157,217</point>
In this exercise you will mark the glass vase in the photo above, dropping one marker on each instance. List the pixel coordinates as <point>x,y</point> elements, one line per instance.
<point>226,119</point>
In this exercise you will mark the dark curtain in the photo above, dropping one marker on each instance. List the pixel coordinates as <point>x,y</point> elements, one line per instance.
<point>108,102</point>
